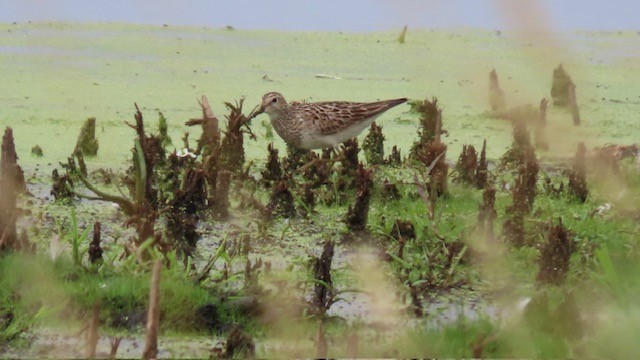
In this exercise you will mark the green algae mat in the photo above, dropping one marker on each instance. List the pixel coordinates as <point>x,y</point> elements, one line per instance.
<point>55,75</point>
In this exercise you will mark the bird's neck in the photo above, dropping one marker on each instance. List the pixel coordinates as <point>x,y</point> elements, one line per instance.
<point>278,114</point>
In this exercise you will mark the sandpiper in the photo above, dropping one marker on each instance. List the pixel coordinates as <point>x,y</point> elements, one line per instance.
<point>320,124</point>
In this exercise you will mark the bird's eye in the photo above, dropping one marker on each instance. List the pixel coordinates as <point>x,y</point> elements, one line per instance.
<point>274,100</point>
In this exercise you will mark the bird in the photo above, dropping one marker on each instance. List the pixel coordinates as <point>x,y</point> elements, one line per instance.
<point>320,125</point>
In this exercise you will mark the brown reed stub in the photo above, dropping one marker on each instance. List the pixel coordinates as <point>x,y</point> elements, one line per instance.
<point>92,333</point>
<point>163,130</point>
<point>308,199</point>
<point>95,250</point>
<point>81,164</point>
<point>251,276</point>
<point>358,214</point>
<point>432,153</point>
<point>524,188</point>
<point>232,148</point>
<point>353,344</point>
<point>142,206</point>
<point>295,158</point>
<point>573,105</point>
<point>209,143</point>
<point>36,151</point>
<point>482,172</point>
<point>555,253</point>
<point>350,151</point>
<point>319,173</point>
<point>115,344</point>
<point>430,127</point>
<point>87,142</point>
<point>487,213</point>
<point>402,231</point>
<point>540,135</point>
<point>321,342</point>
<point>528,169</point>
<point>610,155</point>
<point>433,156</point>
<point>395,158</point>
<point>560,87</point>
<point>272,171</point>
<point>239,345</point>
<point>569,322</point>
<point>348,171</point>
<point>11,177</point>
<point>416,303</point>
<point>221,195</point>
<point>496,95</point>
<point>373,145</point>
<point>403,35</point>
<point>390,190</point>
<point>189,198</point>
<point>281,203</point>
<point>24,244</point>
<point>62,187</point>
<point>578,174</point>
<point>153,314</point>
<point>512,158</point>
<point>323,288</point>
<point>513,228</point>
<point>551,189</point>
<point>467,165</point>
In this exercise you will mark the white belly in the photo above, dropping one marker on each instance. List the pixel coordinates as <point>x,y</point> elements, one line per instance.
<point>319,141</point>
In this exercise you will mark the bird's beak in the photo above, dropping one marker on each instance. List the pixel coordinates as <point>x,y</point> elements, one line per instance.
<point>255,112</point>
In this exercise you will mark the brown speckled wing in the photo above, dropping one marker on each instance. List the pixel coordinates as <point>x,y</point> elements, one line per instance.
<point>332,117</point>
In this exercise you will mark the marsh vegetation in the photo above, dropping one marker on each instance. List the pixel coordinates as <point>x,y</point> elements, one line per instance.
<point>463,225</point>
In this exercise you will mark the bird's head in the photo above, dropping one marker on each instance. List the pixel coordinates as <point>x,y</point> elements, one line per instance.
<point>273,103</point>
